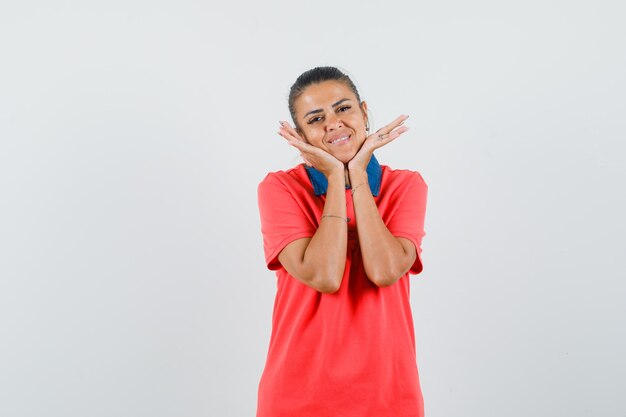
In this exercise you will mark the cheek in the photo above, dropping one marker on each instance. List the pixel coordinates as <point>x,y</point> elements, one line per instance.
<point>359,126</point>
<point>362,134</point>
<point>315,138</point>
<point>306,135</point>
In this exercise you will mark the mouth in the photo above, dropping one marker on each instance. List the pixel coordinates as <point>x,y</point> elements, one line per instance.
<point>340,140</point>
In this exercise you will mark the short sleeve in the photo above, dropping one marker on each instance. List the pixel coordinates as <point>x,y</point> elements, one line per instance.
<point>408,219</point>
<point>283,220</point>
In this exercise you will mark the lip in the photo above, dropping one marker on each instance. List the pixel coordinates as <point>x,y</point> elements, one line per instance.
<point>349,135</point>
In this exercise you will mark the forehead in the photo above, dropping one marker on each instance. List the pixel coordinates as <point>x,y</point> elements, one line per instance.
<point>323,95</point>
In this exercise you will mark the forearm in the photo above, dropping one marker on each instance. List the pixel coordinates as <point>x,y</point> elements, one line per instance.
<point>326,253</point>
<point>384,258</point>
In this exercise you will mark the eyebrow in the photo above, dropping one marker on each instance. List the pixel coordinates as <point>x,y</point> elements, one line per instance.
<point>320,110</point>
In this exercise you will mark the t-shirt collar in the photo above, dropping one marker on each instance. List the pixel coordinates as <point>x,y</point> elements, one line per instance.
<point>320,182</point>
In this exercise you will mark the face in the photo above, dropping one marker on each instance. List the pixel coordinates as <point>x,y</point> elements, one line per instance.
<point>329,111</point>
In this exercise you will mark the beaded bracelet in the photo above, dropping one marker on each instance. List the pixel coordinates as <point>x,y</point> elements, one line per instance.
<point>331,215</point>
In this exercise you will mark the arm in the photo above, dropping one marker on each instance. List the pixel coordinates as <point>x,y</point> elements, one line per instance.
<point>386,258</point>
<point>320,261</point>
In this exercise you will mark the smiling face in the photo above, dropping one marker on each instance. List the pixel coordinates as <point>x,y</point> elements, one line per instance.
<point>329,117</point>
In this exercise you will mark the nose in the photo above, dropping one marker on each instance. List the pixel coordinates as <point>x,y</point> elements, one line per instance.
<point>333,122</point>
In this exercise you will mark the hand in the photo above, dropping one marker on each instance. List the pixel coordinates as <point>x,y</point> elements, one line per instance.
<point>312,155</point>
<point>381,137</point>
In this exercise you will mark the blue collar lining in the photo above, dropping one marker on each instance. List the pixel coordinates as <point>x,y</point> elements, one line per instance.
<point>320,182</point>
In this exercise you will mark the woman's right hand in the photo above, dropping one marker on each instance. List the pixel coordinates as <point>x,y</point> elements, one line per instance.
<point>312,155</point>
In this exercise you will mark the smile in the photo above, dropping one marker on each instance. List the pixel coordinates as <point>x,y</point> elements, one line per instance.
<point>340,140</point>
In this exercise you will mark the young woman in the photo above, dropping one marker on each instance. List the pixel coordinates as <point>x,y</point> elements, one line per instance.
<point>342,233</point>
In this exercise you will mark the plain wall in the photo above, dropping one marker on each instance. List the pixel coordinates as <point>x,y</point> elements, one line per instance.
<point>133,135</point>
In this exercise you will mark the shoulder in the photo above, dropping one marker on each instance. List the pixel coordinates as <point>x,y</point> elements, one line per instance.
<point>295,173</point>
<point>396,177</point>
<point>402,187</point>
<point>293,181</point>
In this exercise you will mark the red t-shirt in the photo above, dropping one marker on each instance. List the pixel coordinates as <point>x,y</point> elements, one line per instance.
<point>350,353</point>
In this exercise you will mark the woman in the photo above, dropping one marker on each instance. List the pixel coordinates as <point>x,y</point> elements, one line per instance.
<point>342,233</point>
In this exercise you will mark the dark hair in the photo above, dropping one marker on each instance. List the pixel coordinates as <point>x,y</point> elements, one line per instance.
<point>316,76</point>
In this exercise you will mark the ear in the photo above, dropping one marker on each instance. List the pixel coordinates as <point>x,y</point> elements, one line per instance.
<point>364,109</point>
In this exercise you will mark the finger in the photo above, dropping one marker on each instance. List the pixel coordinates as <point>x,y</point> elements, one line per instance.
<point>292,131</point>
<point>296,144</point>
<point>301,146</point>
<point>393,134</point>
<point>398,121</point>
<point>289,135</point>
<point>290,138</point>
<point>294,139</point>
<point>384,138</point>
<point>399,131</point>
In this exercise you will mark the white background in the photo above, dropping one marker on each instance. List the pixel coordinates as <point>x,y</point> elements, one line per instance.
<point>133,137</point>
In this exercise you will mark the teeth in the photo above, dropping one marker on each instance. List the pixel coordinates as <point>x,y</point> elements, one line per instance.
<point>340,139</point>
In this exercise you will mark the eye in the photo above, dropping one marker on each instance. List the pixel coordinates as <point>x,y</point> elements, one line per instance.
<point>341,109</point>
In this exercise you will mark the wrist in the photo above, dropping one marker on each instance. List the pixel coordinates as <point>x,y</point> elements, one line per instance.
<point>356,168</point>
<point>355,186</point>
<point>336,176</point>
<point>357,175</point>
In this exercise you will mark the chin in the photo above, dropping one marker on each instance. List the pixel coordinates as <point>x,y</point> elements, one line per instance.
<point>345,158</point>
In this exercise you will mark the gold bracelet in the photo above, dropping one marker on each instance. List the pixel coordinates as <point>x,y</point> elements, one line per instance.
<point>343,218</point>
<point>354,189</point>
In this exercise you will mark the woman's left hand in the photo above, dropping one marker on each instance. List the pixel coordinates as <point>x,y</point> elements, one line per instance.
<point>381,137</point>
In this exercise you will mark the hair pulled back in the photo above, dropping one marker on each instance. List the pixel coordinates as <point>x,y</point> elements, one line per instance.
<point>316,76</point>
